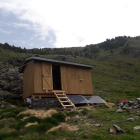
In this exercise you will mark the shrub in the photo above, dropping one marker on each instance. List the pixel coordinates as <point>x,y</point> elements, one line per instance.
<point>59,117</point>
<point>21,116</point>
<point>31,119</point>
<point>12,110</point>
<point>12,134</point>
<point>2,124</point>
<point>41,128</point>
<point>84,111</point>
<point>19,124</point>
<point>8,115</point>
<point>50,120</point>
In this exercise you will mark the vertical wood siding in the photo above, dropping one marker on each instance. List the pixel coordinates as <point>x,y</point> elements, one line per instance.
<point>28,80</point>
<point>76,80</point>
<point>38,79</point>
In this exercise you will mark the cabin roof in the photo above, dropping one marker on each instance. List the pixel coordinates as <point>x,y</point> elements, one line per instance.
<point>52,61</point>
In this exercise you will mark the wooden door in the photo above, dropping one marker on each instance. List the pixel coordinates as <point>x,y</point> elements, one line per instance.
<point>47,76</point>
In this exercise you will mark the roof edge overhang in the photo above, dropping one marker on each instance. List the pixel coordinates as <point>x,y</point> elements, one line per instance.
<point>33,58</point>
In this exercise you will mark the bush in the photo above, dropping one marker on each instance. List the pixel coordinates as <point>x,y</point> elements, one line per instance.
<point>50,120</point>
<point>21,116</point>
<point>8,115</point>
<point>59,117</point>
<point>84,111</point>
<point>12,134</point>
<point>2,124</point>
<point>12,110</point>
<point>31,119</point>
<point>41,128</point>
<point>19,124</point>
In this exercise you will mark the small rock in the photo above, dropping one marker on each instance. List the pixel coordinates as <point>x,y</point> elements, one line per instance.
<point>130,119</point>
<point>138,99</point>
<point>3,106</point>
<point>136,128</point>
<point>112,131</point>
<point>118,129</point>
<point>98,125</point>
<point>119,110</point>
<point>121,104</point>
<point>135,106</point>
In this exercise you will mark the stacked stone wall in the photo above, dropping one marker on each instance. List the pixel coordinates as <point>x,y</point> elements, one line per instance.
<point>38,103</point>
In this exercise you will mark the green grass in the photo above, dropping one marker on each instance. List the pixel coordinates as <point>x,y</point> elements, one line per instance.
<point>51,121</point>
<point>11,110</point>
<point>8,115</point>
<point>20,124</point>
<point>11,135</point>
<point>59,117</point>
<point>82,119</point>
<point>41,128</point>
<point>115,77</point>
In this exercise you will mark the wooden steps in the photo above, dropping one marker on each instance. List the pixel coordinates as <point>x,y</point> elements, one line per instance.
<point>63,99</point>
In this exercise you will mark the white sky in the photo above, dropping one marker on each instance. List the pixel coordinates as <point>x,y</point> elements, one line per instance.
<point>67,23</point>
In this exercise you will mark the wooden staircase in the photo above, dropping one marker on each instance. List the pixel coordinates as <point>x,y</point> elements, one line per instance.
<point>63,99</point>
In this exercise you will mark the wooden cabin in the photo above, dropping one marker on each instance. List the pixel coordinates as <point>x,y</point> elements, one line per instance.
<point>41,76</point>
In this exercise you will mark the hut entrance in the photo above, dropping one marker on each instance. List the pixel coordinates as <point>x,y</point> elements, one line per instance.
<point>56,77</point>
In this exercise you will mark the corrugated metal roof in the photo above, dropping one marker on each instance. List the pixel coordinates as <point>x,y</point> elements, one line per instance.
<point>54,61</point>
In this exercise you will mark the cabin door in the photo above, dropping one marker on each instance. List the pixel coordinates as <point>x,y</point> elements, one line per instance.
<point>56,77</point>
<point>47,76</point>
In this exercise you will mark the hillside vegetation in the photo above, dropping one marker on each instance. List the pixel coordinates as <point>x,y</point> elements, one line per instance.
<point>117,67</point>
<point>115,77</point>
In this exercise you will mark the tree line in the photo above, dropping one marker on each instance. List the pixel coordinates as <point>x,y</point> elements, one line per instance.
<point>87,51</point>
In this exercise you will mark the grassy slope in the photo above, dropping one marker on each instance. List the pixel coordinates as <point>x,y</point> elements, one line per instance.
<point>115,77</point>
<point>113,74</point>
<point>84,118</point>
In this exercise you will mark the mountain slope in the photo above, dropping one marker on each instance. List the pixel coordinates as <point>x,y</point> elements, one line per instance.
<point>116,74</point>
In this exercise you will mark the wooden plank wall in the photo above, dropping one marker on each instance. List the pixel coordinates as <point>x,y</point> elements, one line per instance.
<point>70,80</point>
<point>76,80</point>
<point>38,79</point>
<point>47,76</point>
<point>28,80</point>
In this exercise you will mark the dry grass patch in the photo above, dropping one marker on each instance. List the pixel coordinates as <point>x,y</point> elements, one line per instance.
<point>24,118</point>
<point>110,105</point>
<point>63,127</point>
<point>29,124</point>
<point>39,113</point>
<point>67,119</point>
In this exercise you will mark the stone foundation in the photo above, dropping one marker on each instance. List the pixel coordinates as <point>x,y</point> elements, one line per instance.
<point>45,102</point>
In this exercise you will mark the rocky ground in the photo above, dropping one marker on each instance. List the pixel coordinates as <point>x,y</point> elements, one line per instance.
<point>10,79</point>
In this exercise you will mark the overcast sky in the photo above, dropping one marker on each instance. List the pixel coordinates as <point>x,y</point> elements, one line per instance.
<point>66,23</point>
